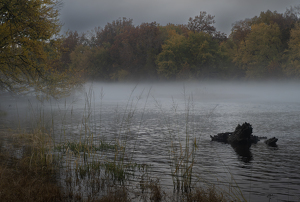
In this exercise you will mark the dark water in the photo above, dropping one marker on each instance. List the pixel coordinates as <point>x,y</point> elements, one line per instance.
<point>151,116</point>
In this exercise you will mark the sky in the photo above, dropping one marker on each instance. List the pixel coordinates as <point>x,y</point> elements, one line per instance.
<point>85,15</point>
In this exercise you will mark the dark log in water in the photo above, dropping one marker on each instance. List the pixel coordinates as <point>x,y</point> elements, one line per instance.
<point>241,136</point>
<point>242,139</point>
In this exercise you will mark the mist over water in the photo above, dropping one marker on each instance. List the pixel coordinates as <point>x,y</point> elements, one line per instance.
<point>272,108</point>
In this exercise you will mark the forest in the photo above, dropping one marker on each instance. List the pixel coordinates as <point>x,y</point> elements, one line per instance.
<point>34,53</point>
<point>263,47</point>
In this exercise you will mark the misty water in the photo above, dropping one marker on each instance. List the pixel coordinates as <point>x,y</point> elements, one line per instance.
<point>156,115</point>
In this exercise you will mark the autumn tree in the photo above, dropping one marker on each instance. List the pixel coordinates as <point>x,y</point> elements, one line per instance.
<point>173,56</point>
<point>126,51</point>
<point>261,51</point>
<point>28,47</point>
<point>149,46</point>
<point>204,55</point>
<point>70,41</point>
<point>179,29</point>
<point>260,42</point>
<point>292,68</point>
<point>107,35</point>
<point>195,56</point>
<point>138,50</point>
<point>285,21</point>
<point>240,30</point>
<point>202,23</point>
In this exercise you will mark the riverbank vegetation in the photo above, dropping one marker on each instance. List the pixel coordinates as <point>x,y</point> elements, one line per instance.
<point>35,167</point>
<point>35,57</point>
<point>30,49</point>
<point>43,164</point>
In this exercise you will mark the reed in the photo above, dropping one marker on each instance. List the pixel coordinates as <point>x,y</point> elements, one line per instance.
<point>94,157</point>
<point>182,150</point>
<point>28,168</point>
<point>37,150</point>
<point>80,147</point>
<point>91,168</point>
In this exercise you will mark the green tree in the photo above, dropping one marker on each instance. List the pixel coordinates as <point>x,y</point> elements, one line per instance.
<point>173,56</point>
<point>227,69</point>
<point>80,58</point>
<point>94,62</point>
<point>292,68</point>
<point>195,56</point>
<point>28,48</point>
<point>284,21</point>
<point>100,64</point>
<point>261,51</point>
<point>204,55</point>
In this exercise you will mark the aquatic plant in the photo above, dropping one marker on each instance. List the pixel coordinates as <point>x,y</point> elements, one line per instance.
<point>79,147</point>
<point>93,168</point>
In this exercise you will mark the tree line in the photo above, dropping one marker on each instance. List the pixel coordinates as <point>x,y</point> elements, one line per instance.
<point>265,46</point>
<point>34,56</point>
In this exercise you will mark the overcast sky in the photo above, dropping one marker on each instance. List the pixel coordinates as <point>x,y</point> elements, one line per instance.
<point>84,15</point>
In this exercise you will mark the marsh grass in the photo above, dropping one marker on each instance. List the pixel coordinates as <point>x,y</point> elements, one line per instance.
<point>92,169</point>
<point>36,150</point>
<point>28,169</point>
<point>182,150</point>
<point>79,147</point>
<point>19,183</point>
<point>209,194</point>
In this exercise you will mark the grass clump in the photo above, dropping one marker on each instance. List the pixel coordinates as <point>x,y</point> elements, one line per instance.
<point>116,195</point>
<point>78,147</point>
<point>35,175</point>
<point>18,182</point>
<point>30,173</point>
<point>35,150</point>
<point>205,195</point>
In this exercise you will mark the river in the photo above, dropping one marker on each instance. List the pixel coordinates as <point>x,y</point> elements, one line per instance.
<point>154,115</point>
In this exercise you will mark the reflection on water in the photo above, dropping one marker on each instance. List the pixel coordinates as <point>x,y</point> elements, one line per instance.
<point>158,113</point>
<point>243,152</point>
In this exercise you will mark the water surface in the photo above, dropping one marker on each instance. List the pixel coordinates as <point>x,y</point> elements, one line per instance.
<point>153,115</point>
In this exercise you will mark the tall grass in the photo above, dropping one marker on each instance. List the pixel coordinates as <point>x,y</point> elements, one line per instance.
<point>94,169</point>
<point>28,168</point>
<point>183,143</point>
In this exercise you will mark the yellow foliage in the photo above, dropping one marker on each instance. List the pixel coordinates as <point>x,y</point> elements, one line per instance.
<point>292,69</point>
<point>261,47</point>
<point>29,48</point>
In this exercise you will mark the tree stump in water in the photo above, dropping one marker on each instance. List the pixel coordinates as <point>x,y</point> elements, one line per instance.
<point>241,140</point>
<point>242,135</point>
<point>221,137</point>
